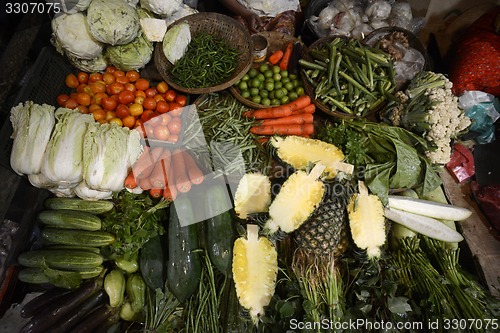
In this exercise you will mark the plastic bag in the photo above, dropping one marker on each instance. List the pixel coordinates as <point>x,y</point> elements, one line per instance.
<point>483,110</point>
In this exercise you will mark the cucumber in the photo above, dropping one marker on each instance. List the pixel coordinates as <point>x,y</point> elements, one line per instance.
<point>220,232</point>
<point>183,264</point>
<point>36,275</point>
<point>72,260</point>
<point>73,247</point>
<point>429,208</point>
<point>94,207</point>
<point>424,225</point>
<point>151,263</point>
<point>77,237</point>
<point>70,219</point>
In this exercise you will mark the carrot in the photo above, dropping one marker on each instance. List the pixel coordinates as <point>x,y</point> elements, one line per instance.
<point>145,163</point>
<point>158,176</point>
<point>263,139</point>
<point>195,174</point>
<point>130,181</point>
<point>275,57</point>
<point>280,110</point>
<point>156,192</point>
<point>304,129</point>
<point>311,108</point>
<point>170,193</point>
<point>181,179</point>
<point>286,56</point>
<point>296,119</point>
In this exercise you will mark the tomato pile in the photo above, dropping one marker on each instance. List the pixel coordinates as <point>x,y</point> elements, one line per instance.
<point>127,99</point>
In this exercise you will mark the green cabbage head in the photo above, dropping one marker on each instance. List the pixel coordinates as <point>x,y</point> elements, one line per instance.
<point>134,55</point>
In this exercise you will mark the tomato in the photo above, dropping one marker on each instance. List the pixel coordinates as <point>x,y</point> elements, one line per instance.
<point>175,125</point>
<point>110,115</point>
<point>162,87</point>
<point>158,98</point>
<point>126,97</point>
<point>108,78</point>
<point>102,121</point>
<point>94,77</point>
<point>173,138</point>
<point>61,99</point>
<point>139,100</point>
<point>165,119</point>
<point>118,73</point>
<point>132,75</point>
<point>83,99</point>
<point>72,81</point>
<point>97,87</point>
<point>142,84</point>
<point>83,109</point>
<point>130,87</point>
<point>115,88</point>
<point>175,109</point>
<point>170,96</point>
<point>83,77</point>
<point>122,111</point>
<point>154,121</point>
<point>140,93</point>
<point>181,99</point>
<point>146,115</point>
<point>93,107</point>
<point>161,132</point>
<point>150,92</point>
<point>149,103</point>
<point>162,106</point>
<point>81,87</point>
<point>129,121</point>
<point>117,121</point>
<point>99,115</point>
<point>98,98</point>
<point>71,103</point>
<point>109,103</point>
<point>136,109</point>
<point>110,69</point>
<point>122,79</point>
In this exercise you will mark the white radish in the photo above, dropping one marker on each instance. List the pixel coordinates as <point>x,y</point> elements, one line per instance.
<point>428,208</point>
<point>424,225</point>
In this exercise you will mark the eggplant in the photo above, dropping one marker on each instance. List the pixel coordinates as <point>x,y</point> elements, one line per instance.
<point>61,307</point>
<point>41,301</point>
<point>96,319</point>
<point>293,66</point>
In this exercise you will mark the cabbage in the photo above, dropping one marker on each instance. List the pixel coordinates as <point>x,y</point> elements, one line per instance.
<point>98,64</point>
<point>161,7</point>
<point>113,22</point>
<point>134,55</point>
<point>32,125</point>
<point>83,191</point>
<point>70,34</point>
<point>182,11</point>
<point>71,6</point>
<point>109,152</point>
<point>40,181</point>
<point>176,41</point>
<point>62,162</point>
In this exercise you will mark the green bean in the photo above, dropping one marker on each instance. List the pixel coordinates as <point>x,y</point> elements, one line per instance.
<point>311,65</point>
<point>340,105</point>
<point>331,63</point>
<point>356,84</point>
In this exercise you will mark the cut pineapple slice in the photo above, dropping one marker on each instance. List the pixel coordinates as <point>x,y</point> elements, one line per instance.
<point>298,197</point>
<point>367,221</point>
<point>255,269</point>
<point>299,152</point>
<point>253,195</point>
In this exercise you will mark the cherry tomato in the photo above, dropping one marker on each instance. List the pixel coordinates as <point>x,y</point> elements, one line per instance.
<point>72,81</point>
<point>162,87</point>
<point>142,84</point>
<point>83,99</point>
<point>129,121</point>
<point>158,97</point>
<point>118,73</point>
<point>71,103</point>
<point>174,126</point>
<point>61,99</point>
<point>130,87</point>
<point>149,103</point>
<point>170,96</point>
<point>122,79</point>
<point>83,109</point>
<point>181,99</point>
<point>161,132</point>
<point>175,109</point>
<point>97,99</point>
<point>115,88</point>
<point>111,69</point>
<point>139,100</point>
<point>136,109</point>
<point>126,97</point>
<point>140,93</point>
<point>95,77</point>
<point>162,106</point>
<point>150,92</point>
<point>132,75</point>
<point>83,77</point>
<point>110,115</point>
<point>99,114</point>
<point>81,87</point>
<point>122,111</point>
<point>97,87</point>
<point>93,107</point>
<point>109,104</point>
<point>146,115</point>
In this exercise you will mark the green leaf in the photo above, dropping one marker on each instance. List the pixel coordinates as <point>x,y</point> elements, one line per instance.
<point>408,169</point>
<point>287,310</point>
<point>377,178</point>
<point>431,179</point>
<point>398,305</point>
<point>62,279</point>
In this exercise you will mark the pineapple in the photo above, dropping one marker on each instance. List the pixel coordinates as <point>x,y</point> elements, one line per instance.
<point>253,195</point>
<point>299,152</point>
<point>300,194</point>
<point>255,269</point>
<point>367,221</point>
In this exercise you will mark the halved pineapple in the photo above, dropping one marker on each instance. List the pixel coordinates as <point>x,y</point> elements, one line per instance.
<point>367,221</point>
<point>253,195</point>
<point>255,269</point>
<point>299,195</point>
<point>299,152</point>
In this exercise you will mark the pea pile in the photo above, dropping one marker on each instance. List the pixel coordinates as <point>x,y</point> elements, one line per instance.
<point>268,85</point>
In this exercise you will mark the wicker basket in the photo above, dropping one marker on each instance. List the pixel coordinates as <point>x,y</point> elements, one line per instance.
<point>222,26</point>
<point>277,41</point>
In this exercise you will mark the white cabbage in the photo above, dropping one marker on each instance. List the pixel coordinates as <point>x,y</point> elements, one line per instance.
<point>70,35</point>
<point>113,22</point>
<point>83,191</point>
<point>98,64</point>
<point>134,55</point>
<point>62,162</point>
<point>182,11</point>
<point>176,41</point>
<point>163,8</point>
<point>62,192</point>
<point>109,152</point>
<point>32,125</point>
<point>40,181</point>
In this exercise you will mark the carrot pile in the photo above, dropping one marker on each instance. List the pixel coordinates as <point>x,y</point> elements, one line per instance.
<point>164,172</point>
<point>294,118</point>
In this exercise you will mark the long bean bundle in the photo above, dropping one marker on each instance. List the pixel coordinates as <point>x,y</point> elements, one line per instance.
<point>208,61</point>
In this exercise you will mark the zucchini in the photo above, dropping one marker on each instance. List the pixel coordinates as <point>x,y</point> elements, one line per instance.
<point>72,260</point>
<point>184,263</point>
<point>429,208</point>
<point>220,231</point>
<point>94,207</point>
<point>70,219</point>
<point>424,225</point>
<point>77,237</point>
<point>151,263</point>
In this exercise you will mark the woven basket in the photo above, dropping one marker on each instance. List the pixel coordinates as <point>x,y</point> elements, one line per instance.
<point>221,26</point>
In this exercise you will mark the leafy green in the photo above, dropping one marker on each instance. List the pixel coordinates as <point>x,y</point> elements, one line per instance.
<point>60,278</point>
